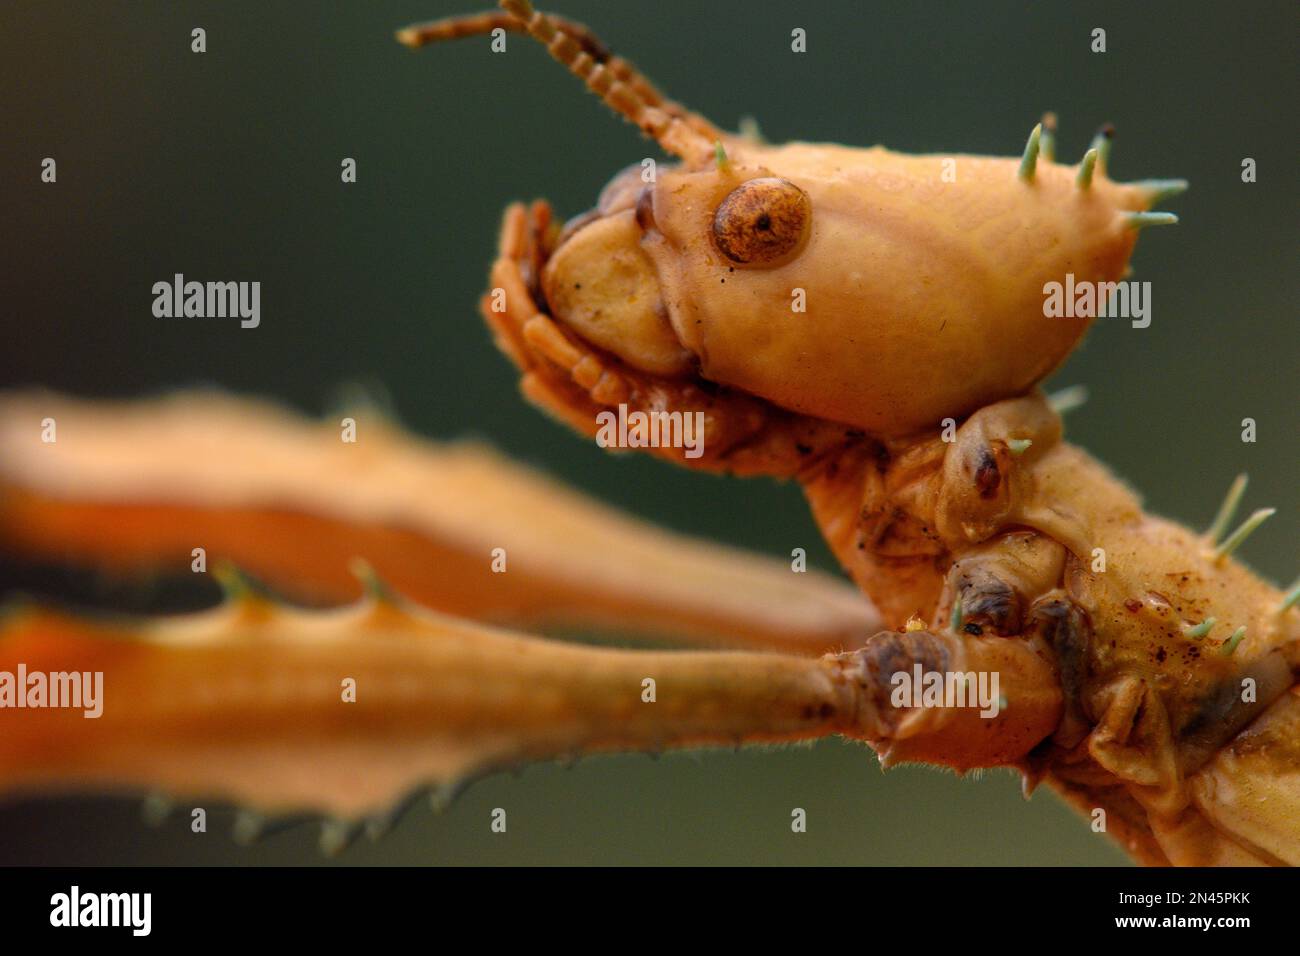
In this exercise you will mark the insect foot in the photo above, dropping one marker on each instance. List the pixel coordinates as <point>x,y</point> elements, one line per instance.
<point>951,699</point>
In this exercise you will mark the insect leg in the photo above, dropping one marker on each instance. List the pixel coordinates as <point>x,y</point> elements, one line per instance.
<point>927,697</point>
<point>137,487</point>
<point>1251,789</point>
<point>996,633</point>
<point>346,711</point>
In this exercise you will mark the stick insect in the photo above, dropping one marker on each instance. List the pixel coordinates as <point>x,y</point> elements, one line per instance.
<point>844,318</point>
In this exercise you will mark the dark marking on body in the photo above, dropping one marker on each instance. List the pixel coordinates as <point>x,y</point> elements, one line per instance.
<point>987,598</point>
<point>1066,629</point>
<point>987,476</point>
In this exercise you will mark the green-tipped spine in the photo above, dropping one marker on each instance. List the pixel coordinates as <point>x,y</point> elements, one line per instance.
<point>1244,531</point>
<point>376,589</point>
<point>1047,140</point>
<point>1029,162</point>
<point>1068,399</point>
<point>1160,189</point>
<point>1228,509</point>
<point>1290,598</point>
<point>1102,143</point>
<point>1140,220</point>
<point>1084,179</point>
<point>1230,647</point>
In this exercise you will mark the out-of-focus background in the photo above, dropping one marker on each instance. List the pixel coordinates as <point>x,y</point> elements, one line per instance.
<point>226,165</point>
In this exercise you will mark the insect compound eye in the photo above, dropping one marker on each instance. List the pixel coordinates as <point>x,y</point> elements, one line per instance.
<point>762,221</point>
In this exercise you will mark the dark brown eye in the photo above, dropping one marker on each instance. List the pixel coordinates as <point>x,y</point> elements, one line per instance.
<point>762,222</point>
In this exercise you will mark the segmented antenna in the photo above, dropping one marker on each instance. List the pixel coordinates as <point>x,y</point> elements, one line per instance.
<point>622,87</point>
<point>478,24</point>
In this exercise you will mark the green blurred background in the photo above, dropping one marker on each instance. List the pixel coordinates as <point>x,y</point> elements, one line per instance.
<point>225,165</point>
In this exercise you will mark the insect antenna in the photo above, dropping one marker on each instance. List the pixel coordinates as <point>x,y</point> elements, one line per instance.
<point>477,24</point>
<point>622,87</point>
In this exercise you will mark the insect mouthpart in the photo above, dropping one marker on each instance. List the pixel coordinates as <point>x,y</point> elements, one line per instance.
<point>600,284</point>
